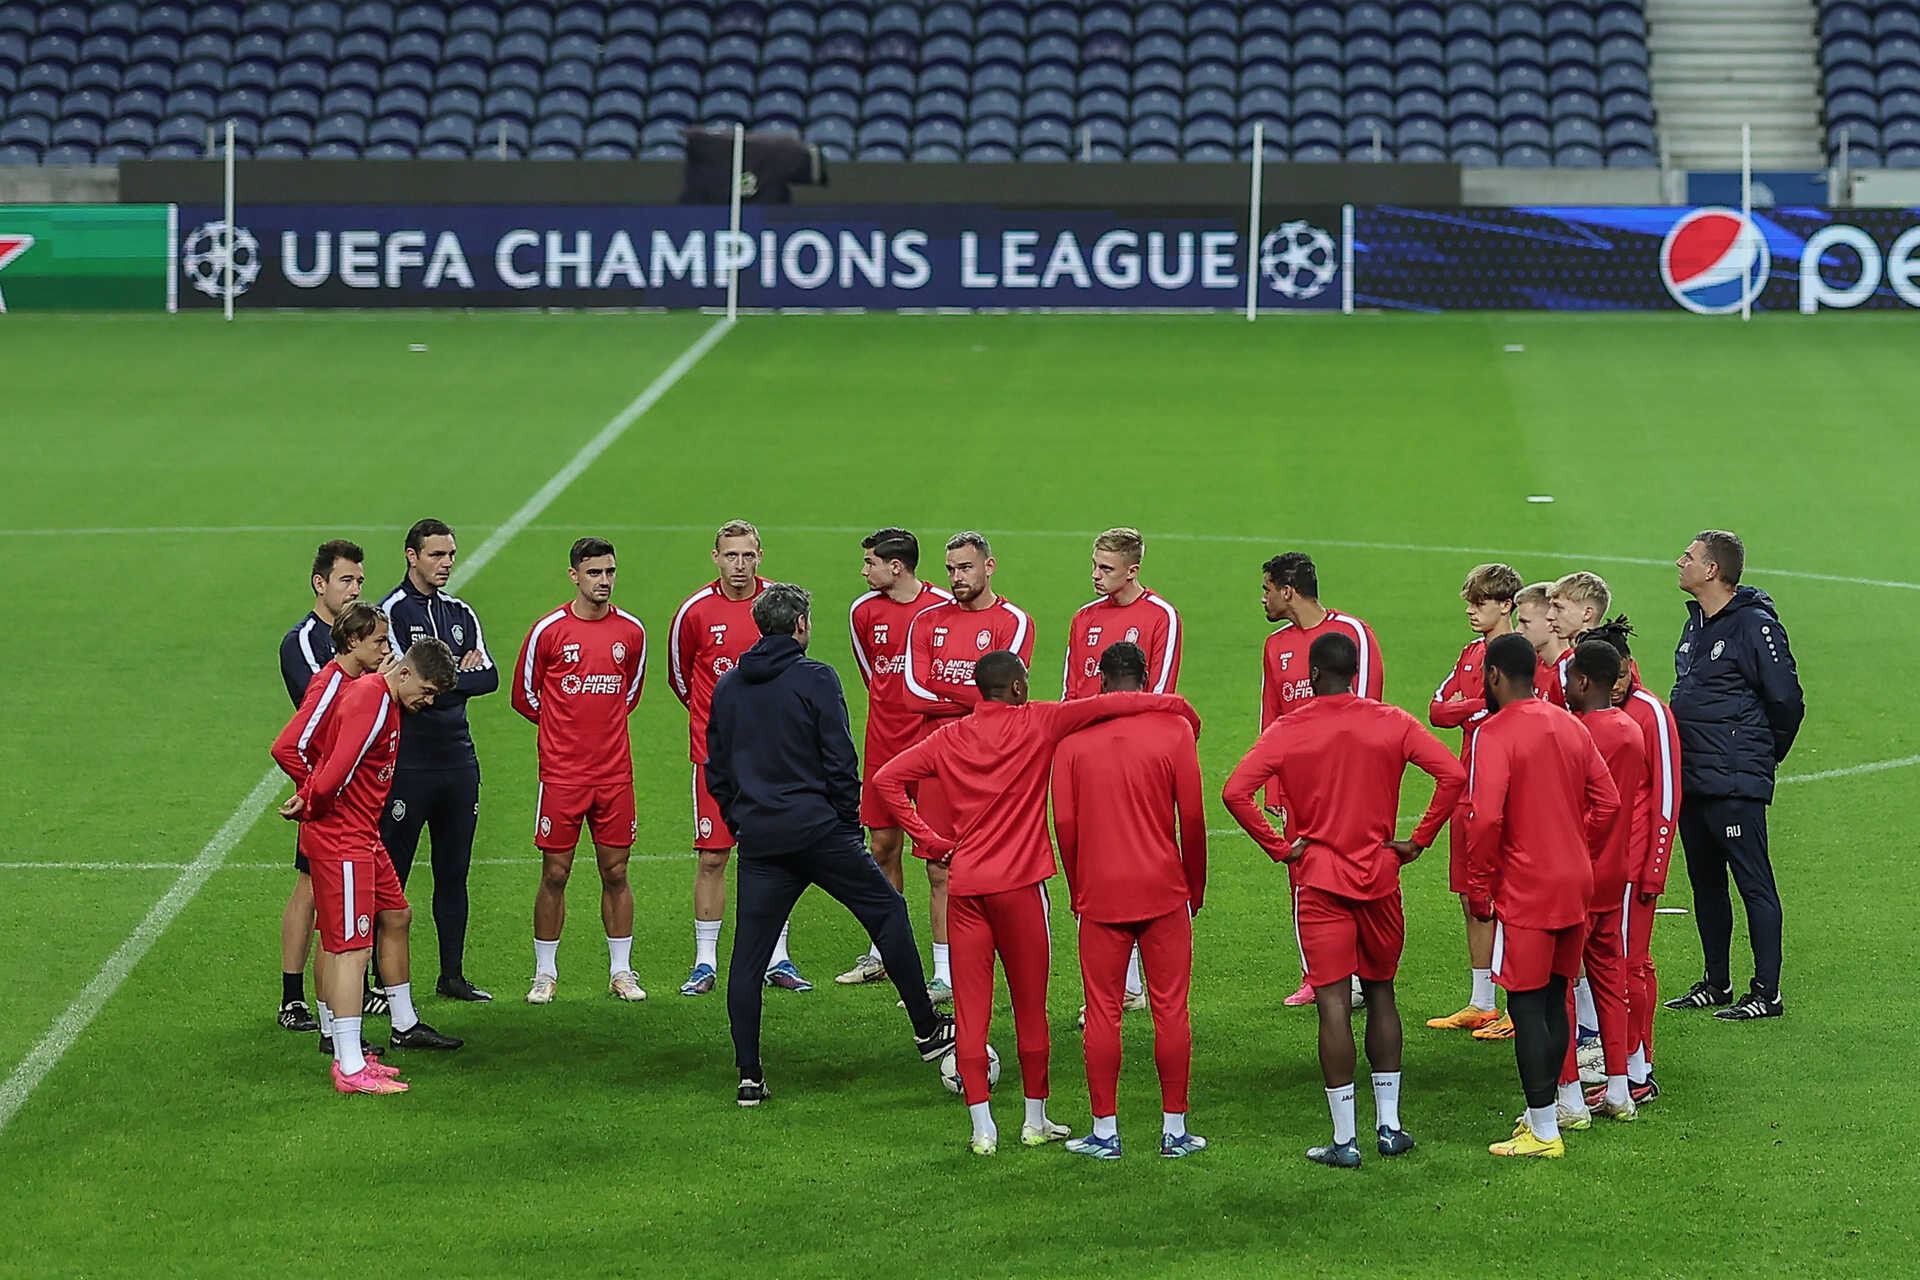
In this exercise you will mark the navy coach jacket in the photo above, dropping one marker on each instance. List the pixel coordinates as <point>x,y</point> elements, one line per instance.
<point>1736,699</point>
<point>780,757</point>
<point>438,737</point>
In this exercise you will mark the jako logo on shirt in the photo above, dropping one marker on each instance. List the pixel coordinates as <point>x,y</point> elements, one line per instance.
<point>1714,260</point>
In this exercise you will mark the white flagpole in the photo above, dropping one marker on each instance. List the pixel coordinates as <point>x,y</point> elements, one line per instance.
<point>733,225</point>
<point>227,270</point>
<point>1746,211</point>
<point>1253,221</point>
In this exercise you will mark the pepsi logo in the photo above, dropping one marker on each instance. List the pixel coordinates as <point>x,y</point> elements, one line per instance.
<point>1714,260</point>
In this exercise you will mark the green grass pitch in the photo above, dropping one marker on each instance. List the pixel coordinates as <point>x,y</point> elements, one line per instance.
<point>167,478</point>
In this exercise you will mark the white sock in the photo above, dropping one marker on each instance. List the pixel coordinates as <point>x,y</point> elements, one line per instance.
<point>1037,1112</point>
<point>1483,996</point>
<point>780,955</point>
<point>325,1015</point>
<point>1617,1091</point>
<point>1545,1123</point>
<point>546,958</point>
<point>619,954</point>
<point>1135,983</point>
<point>346,1046</point>
<point>400,1003</point>
<point>1173,1123</point>
<point>1572,1097</point>
<point>873,953</point>
<point>1386,1099</point>
<point>1340,1103</point>
<point>942,963</point>
<point>706,943</point>
<point>1583,1005</point>
<point>1106,1126</point>
<point>1638,1068</point>
<point>981,1113</point>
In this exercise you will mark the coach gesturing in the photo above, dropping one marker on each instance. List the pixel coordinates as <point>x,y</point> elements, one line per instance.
<point>1737,704</point>
<point>782,768</point>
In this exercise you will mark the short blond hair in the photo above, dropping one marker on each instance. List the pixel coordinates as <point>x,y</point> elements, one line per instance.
<point>736,529</point>
<point>1125,541</point>
<point>1535,593</point>
<point>1491,582</point>
<point>1583,587</point>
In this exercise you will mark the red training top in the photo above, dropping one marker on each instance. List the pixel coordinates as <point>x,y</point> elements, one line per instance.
<point>1149,622</point>
<point>579,680</point>
<point>1115,789</point>
<point>993,766</point>
<point>1335,763</point>
<point>1624,750</point>
<point>879,625</point>
<point>1540,807</point>
<point>349,784</point>
<point>1661,737</point>
<point>945,641</point>
<point>709,634</point>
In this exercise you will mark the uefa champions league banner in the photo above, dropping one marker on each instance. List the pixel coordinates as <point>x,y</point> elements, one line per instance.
<point>898,257</point>
<point>1707,260</point>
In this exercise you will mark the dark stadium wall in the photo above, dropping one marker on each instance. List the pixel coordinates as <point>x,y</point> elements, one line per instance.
<point>552,182</point>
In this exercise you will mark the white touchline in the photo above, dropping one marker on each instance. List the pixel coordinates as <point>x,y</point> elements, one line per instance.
<point>67,1028</point>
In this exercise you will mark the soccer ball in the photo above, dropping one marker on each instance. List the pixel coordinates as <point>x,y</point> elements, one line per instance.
<point>950,1072</point>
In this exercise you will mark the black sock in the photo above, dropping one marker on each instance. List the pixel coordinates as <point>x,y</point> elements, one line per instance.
<point>293,986</point>
<point>1533,1043</point>
<point>753,1073</point>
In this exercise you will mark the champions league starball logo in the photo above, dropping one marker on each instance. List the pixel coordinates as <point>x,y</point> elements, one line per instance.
<point>203,257</point>
<point>1298,260</point>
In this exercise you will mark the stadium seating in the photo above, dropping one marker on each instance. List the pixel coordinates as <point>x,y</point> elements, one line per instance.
<point>1519,82</point>
<point>1870,53</point>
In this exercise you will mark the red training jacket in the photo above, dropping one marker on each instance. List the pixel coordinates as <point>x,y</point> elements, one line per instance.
<point>1115,789</point>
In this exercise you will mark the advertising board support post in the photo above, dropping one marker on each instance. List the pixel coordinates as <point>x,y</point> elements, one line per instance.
<point>1746,208</point>
<point>1253,221</point>
<point>733,225</point>
<point>226,269</point>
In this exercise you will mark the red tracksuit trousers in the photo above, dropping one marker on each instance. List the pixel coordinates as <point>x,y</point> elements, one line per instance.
<point>1166,954</point>
<point>1014,925</point>
<point>1606,965</point>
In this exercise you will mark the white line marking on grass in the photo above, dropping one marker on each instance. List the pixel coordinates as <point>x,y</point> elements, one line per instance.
<point>1878,766</point>
<point>1236,539</point>
<point>67,1028</point>
<point>1263,540</point>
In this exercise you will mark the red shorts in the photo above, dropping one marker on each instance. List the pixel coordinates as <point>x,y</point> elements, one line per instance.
<point>607,811</point>
<point>1341,937</point>
<point>709,828</point>
<point>348,891</point>
<point>1525,959</point>
<point>929,798</point>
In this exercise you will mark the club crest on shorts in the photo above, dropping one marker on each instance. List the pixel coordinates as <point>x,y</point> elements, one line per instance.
<point>546,825</point>
<point>619,651</point>
<point>363,924</point>
<point>984,639</point>
<point>706,828</point>
<point>399,810</point>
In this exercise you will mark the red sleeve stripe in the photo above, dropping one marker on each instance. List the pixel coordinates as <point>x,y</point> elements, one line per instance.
<point>1664,726</point>
<point>1363,676</point>
<point>675,672</point>
<point>640,670</point>
<point>527,685</point>
<point>859,646</point>
<point>1172,643</point>
<point>379,723</point>
<point>319,714</point>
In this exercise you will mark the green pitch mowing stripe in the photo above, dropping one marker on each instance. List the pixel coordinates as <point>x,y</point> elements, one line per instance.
<point>48,1050</point>
<point>184,1131</point>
